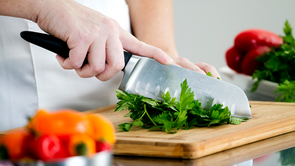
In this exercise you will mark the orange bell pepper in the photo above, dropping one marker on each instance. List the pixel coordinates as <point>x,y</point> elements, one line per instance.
<point>78,144</point>
<point>60,122</point>
<point>103,129</point>
<point>12,144</point>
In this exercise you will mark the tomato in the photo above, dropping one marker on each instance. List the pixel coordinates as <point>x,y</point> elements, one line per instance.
<point>103,129</point>
<point>60,122</point>
<point>234,59</point>
<point>249,64</point>
<point>252,38</point>
<point>12,144</point>
<point>48,147</point>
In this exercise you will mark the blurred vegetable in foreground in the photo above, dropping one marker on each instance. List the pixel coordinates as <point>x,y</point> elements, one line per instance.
<point>57,135</point>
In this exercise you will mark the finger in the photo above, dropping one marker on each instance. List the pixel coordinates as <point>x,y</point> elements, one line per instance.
<point>133,45</point>
<point>114,59</point>
<point>209,68</point>
<point>60,59</point>
<point>183,62</point>
<point>77,54</point>
<point>96,60</point>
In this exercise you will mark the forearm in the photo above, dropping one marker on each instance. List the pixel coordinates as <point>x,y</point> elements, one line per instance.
<point>152,22</point>
<point>27,9</point>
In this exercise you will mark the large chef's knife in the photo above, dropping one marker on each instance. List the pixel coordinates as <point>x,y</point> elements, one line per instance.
<point>147,77</point>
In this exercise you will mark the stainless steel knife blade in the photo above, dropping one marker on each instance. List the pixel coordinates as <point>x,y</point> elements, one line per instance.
<point>147,77</point>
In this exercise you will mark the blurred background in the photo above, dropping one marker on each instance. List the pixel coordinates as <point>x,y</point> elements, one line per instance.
<point>205,29</point>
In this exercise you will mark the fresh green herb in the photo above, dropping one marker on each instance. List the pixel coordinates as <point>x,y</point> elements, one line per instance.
<point>279,67</point>
<point>171,115</point>
<point>209,74</point>
<point>287,89</point>
<point>287,157</point>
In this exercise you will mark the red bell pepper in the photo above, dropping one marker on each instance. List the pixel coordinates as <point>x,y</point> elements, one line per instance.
<point>48,147</point>
<point>234,59</point>
<point>248,45</point>
<point>102,146</point>
<point>249,64</point>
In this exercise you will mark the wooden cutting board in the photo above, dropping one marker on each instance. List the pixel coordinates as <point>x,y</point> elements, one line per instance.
<point>225,158</point>
<point>268,119</point>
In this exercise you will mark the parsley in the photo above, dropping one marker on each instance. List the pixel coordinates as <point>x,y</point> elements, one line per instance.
<point>171,115</point>
<point>209,74</point>
<point>287,89</point>
<point>279,67</point>
<point>287,157</point>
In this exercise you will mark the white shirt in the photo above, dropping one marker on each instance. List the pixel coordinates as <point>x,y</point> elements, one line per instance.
<point>31,77</point>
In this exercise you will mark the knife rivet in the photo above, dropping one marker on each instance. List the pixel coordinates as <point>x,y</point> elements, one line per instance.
<point>166,90</point>
<point>157,90</point>
<point>233,109</point>
<point>147,88</point>
<point>137,87</point>
<point>176,93</point>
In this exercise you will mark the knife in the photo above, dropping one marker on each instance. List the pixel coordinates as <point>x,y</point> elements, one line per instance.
<point>149,78</point>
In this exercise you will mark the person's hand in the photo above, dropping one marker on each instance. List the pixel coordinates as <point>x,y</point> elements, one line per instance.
<point>202,68</point>
<point>86,30</point>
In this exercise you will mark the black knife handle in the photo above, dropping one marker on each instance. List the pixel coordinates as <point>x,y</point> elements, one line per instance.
<point>56,45</point>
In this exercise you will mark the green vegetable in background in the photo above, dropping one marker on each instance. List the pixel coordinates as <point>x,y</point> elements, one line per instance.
<point>170,115</point>
<point>287,157</point>
<point>279,67</point>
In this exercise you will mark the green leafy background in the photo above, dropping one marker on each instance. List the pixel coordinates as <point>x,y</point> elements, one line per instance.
<point>278,66</point>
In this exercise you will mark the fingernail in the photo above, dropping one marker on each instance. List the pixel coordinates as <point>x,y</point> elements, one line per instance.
<point>170,60</point>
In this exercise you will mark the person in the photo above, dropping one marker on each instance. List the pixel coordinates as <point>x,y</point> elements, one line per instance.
<point>30,77</point>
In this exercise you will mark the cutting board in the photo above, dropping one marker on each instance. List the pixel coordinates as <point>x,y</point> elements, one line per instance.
<point>269,119</point>
<point>234,156</point>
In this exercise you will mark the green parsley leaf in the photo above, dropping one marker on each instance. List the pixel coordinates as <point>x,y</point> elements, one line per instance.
<point>287,88</point>
<point>137,122</point>
<point>237,121</point>
<point>209,74</point>
<point>125,126</point>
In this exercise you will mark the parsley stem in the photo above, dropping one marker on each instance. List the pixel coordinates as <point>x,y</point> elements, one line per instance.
<point>142,115</point>
<point>148,115</point>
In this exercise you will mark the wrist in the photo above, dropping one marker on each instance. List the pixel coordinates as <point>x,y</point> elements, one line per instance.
<point>27,9</point>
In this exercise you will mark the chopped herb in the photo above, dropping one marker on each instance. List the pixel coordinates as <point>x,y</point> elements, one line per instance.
<point>171,115</point>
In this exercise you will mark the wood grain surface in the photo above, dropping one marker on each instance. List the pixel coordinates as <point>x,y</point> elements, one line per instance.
<point>269,119</point>
<point>224,158</point>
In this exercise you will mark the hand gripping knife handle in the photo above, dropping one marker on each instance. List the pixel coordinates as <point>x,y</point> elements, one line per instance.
<point>56,45</point>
